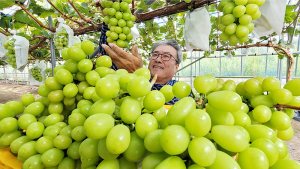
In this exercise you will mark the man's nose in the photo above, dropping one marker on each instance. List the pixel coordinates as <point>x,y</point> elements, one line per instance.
<point>158,60</point>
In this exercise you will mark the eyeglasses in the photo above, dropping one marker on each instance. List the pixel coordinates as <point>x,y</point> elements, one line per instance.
<point>164,56</point>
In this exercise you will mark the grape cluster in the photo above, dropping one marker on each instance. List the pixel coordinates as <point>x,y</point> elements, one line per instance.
<point>119,19</point>
<point>91,117</point>
<point>235,23</point>
<point>36,74</point>
<point>61,40</point>
<point>48,72</point>
<point>10,46</point>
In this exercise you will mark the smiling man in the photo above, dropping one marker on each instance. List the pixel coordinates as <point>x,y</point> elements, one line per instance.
<point>164,58</point>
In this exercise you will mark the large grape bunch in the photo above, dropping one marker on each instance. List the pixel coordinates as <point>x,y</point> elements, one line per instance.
<point>235,23</point>
<point>90,116</point>
<point>61,40</point>
<point>119,19</point>
<point>10,46</point>
<point>36,74</point>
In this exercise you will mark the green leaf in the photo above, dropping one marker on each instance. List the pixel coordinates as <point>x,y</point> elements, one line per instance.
<point>39,10</point>
<point>4,21</point>
<point>6,3</point>
<point>22,17</point>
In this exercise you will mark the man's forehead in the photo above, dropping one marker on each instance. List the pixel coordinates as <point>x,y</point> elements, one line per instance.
<point>165,49</point>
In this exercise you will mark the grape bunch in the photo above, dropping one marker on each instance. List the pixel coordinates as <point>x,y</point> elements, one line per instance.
<point>119,19</point>
<point>235,23</point>
<point>36,74</point>
<point>48,72</point>
<point>10,46</point>
<point>61,40</point>
<point>94,117</point>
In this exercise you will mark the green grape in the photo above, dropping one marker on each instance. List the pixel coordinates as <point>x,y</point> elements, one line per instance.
<point>136,150</point>
<point>108,164</point>
<point>219,117</point>
<point>88,93</point>
<point>71,65</point>
<point>138,86</point>
<point>271,83</point>
<point>27,150</point>
<point>17,143</point>
<point>268,147</point>
<point>203,84</point>
<point>43,144</point>
<point>78,133</point>
<point>63,76</point>
<point>262,113</point>
<point>107,88</point>
<point>171,162</point>
<point>154,100</point>
<point>87,46</point>
<point>52,84</point>
<point>52,157</point>
<point>35,130</point>
<point>73,150</point>
<point>143,72</point>
<point>67,162</point>
<point>52,131</point>
<point>152,160</point>
<point>6,111</point>
<point>106,106</point>
<point>181,89</point>
<point>223,160</point>
<point>280,120</point>
<point>293,87</point>
<point>198,123</point>
<point>286,135</point>
<point>145,124</point>
<point>76,119</point>
<point>89,148</point>
<point>85,65</point>
<point>282,96</point>
<point>16,106</point>
<point>103,151</point>
<point>166,90</point>
<point>174,139</point>
<point>103,71</point>
<point>70,90</point>
<point>253,87</point>
<point>98,125</point>
<point>152,141</point>
<point>260,131</point>
<point>35,108</point>
<point>236,140</point>
<point>124,164</point>
<point>89,162</point>
<point>8,124</point>
<point>125,79</point>
<point>225,101</point>
<point>55,108</point>
<point>56,96</point>
<point>33,162</point>
<point>118,139</point>
<point>36,74</point>
<point>66,131</point>
<point>202,151</point>
<point>253,158</point>
<point>244,108</point>
<point>52,119</point>
<point>241,118</point>
<point>25,120</point>
<point>261,100</point>
<point>179,111</point>
<point>285,162</point>
<point>62,142</point>
<point>130,110</point>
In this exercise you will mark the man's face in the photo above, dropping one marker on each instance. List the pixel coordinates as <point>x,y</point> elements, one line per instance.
<point>165,70</point>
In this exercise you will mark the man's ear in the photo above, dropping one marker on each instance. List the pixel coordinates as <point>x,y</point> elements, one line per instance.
<point>176,67</point>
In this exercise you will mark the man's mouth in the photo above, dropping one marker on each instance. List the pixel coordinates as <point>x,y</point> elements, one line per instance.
<point>157,67</point>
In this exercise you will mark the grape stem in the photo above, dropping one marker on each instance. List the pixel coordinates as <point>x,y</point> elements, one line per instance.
<point>153,81</point>
<point>282,106</point>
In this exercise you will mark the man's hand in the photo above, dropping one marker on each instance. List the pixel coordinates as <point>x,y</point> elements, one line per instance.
<point>122,59</point>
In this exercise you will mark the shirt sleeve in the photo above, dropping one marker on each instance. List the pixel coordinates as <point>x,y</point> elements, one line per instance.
<point>102,40</point>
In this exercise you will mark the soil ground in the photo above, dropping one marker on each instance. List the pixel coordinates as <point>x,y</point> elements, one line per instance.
<point>11,91</point>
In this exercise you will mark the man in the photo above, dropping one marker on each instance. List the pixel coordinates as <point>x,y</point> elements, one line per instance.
<point>165,57</point>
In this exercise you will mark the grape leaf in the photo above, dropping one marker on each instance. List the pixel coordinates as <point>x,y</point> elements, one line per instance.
<point>6,3</point>
<point>39,10</point>
<point>22,17</point>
